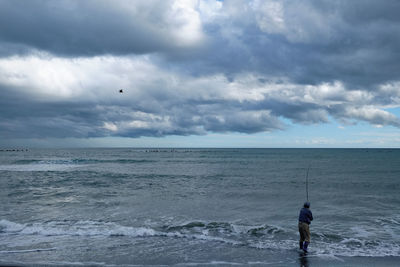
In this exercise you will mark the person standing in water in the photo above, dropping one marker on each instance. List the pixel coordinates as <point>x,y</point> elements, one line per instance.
<point>305,219</point>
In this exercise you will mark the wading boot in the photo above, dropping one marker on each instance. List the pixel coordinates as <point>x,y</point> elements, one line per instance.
<point>305,246</point>
<point>301,244</point>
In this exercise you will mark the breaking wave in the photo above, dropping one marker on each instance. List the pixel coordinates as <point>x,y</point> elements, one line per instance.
<point>258,237</point>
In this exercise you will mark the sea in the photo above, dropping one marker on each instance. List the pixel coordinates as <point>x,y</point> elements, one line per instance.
<point>198,207</point>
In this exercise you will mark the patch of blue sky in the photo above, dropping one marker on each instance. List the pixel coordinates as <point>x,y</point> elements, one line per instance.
<point>394,111</point>
<point>334,134</point>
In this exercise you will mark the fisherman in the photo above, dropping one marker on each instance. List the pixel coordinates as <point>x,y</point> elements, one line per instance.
<point>305,219</point>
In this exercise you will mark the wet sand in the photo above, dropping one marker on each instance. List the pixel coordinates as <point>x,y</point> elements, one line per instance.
<point>333,261</point>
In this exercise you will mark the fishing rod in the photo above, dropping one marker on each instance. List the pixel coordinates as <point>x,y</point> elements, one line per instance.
<point>308,170</point>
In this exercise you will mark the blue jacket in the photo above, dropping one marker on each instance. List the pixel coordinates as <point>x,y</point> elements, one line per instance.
<point>305,216</point>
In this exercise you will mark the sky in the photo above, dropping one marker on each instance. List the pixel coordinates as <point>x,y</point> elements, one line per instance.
<point>206,73</point>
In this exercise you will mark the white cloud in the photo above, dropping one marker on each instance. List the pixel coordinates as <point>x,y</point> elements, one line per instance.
<point>81,78</point>
<point>185,22</point>
<point>110,126</point>
<point>373,115</point>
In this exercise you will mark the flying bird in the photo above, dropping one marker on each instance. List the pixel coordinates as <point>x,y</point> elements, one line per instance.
<point>121,91</point>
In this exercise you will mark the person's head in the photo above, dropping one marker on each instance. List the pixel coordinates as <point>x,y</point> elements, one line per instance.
<point>307,204</point>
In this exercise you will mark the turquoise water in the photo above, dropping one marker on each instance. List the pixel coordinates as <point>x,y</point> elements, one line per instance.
<point>196,206</point>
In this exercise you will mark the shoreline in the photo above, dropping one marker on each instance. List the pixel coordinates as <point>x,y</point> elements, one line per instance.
<point>302,261</point>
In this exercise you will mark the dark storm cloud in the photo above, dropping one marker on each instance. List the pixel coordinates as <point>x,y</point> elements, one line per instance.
<point>356,42</point>
<point>22,117</point>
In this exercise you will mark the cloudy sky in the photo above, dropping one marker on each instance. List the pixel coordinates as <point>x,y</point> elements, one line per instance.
<point>207,73</point>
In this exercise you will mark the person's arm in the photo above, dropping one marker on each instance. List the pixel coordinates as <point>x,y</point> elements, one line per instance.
<point>311,217</point>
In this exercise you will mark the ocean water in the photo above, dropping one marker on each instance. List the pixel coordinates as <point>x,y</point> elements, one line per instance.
<point>200,207</point>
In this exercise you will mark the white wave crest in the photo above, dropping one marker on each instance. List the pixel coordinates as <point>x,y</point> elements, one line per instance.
<point>79,228</point>
<point>357,245</point>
